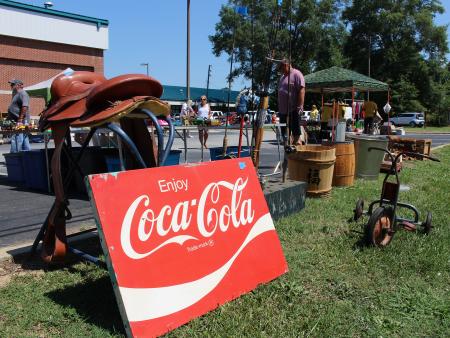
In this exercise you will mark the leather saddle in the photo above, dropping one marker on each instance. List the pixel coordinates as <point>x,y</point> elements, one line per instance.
<point>87,99</point>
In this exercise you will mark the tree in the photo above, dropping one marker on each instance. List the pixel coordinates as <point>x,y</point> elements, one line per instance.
<point>406,48</point>
<point>316,34</point>
<point>438,95</point>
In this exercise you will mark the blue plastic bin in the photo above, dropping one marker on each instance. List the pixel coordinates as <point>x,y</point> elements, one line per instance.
<point>113,161</point>
<point>173,158</point>
<point>14,167</point>
<point>216,153</point>
<point>35,169</point>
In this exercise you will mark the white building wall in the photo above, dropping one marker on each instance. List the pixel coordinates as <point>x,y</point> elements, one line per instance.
<point>43,27</point>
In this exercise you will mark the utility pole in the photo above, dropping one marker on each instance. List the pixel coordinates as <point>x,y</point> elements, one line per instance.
<point>207,81</point>
<point>188,50</point>
<point>370,49</point>
<point>368,67</point>
<point>253,56</point>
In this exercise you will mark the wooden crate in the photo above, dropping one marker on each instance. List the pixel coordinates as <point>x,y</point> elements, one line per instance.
<point>423,147</point>
<point>386,164</point>
<point>397,144</point>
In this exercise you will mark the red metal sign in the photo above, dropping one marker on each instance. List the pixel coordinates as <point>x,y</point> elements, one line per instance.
<point>181,240</point>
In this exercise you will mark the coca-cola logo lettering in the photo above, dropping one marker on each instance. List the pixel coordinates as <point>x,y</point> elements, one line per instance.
<point>226,208</point>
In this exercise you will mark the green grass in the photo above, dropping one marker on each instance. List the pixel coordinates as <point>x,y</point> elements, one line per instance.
<point>436,130</point>
<point>334,287</point>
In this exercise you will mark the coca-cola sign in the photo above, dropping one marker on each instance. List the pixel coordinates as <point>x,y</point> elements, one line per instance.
<point>181,240</point>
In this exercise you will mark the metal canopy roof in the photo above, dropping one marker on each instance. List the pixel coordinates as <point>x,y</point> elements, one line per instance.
<point>178,93</point>
<point>175,94</point>
<point>337,79</point>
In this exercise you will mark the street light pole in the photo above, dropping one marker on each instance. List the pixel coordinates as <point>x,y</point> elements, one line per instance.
<point>146,66</point>
<point>188,50</point>
<point>207,81</point>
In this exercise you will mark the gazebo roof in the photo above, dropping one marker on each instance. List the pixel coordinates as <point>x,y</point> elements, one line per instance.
<point>337,79</point>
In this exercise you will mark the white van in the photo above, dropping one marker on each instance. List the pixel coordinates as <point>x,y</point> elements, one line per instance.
<point>216,114</point>
<point>412,119</point>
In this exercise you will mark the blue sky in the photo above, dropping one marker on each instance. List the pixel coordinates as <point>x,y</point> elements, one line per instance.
<point>155,32</point>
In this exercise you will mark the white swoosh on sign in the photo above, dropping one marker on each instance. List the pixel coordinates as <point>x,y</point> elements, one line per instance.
<point>150,303</point>
<point>174,240</point>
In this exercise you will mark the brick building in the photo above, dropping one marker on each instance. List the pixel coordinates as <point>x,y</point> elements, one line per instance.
<point>37,43</point>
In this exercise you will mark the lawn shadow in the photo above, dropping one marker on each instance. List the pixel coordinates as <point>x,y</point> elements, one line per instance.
<point>93,298</point>
<point>94,301</point>
<point>360,244</point>
<point>89,244</point>
<point>357,234</point>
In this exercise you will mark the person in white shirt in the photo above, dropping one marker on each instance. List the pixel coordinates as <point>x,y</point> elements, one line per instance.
<point>204,112</point>
<point>185,114</point>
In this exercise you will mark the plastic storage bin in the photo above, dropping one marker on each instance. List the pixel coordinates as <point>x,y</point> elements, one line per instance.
<point>173,158</point>
<point>113,161</point>
<point>217,152</point>
<point>35,169</point>
<point>14,167</point>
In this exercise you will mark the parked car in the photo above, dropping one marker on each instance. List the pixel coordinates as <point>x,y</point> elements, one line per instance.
<point>306,115</point>
<point>233,118</point>
<point>412,119</point>
<point>175,116</point>
<point>216,114</point>
<point>222,117</point>
<point>251,116</point>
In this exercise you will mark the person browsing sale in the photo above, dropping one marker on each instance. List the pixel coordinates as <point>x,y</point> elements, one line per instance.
<point>204,112</point>
<point>291,97</point>
<point>19,113</point>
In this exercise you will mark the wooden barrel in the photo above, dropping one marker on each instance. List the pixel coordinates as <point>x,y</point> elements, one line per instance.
<point>314,165</point>
<point>344,168</point>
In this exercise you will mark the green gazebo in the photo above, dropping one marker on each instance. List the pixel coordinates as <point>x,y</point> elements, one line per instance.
<point>337,79</point>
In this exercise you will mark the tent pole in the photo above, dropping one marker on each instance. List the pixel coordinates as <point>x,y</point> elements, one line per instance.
<point>332,120</point>
<point>321,109</point>
<point>321,92</point>
<point>389,118</point>
<point>353,109</point>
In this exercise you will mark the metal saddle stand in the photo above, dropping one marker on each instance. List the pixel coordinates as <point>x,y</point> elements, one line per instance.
<point>74,166</point>
<point>86,99</point>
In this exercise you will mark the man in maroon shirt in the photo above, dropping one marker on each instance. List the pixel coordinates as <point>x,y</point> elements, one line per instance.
<point>291,98</point>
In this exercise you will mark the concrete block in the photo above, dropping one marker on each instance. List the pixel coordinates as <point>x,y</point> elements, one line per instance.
<point>286,198</point>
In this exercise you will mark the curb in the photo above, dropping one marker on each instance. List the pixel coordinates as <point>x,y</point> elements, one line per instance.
<point>429,133</point>
<point>439,147</point>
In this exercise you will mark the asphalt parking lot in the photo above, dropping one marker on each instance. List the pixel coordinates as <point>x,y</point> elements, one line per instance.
<point>23,211</point>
